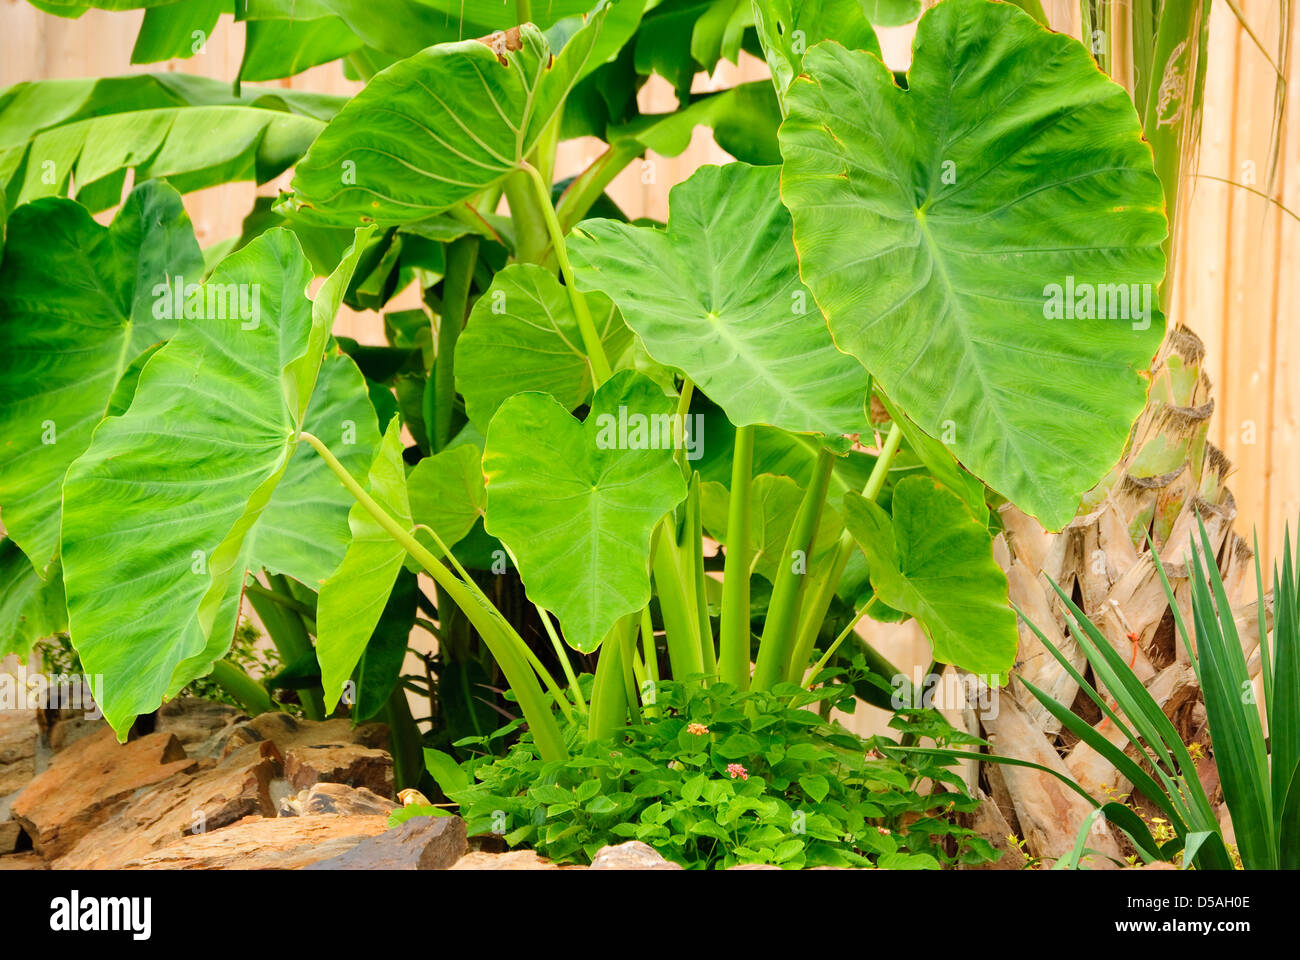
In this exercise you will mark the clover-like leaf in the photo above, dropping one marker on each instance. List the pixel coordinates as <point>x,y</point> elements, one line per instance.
<point>80,306</point>
<point>577,502</point>
<point>933,560</point>
<point>717,295</point>
<point>522,335</point>
<point>940,228</point>
<point>160,512</point>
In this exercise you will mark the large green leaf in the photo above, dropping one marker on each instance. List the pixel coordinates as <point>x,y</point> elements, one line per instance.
<point>522,335</point>
<point>933,560</point>
<point>282,48</point>
<point>31,609</point>
<point>577,502</point>
<point>447,493</point>
<point>79,304</point>
<point>160,512</point>
<point>304,530</point>
<point>354,596</point>
<point>931,223</point>
<point>190,129</point>
<point>718,296</point>
<point>436,128</point>
<point>787,28</point>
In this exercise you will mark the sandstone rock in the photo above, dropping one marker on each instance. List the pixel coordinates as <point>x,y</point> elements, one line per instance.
<point>331,751</point>
<point>421,843</point>
<point>10,832</point>
<point>335,798</point>
<point>513,860</point>
<point>202,726</point>
<point>91,781</point>
<point>632,855</point>
<point>18,736</point>
<point>27,860</point>
<point>258,843</point>
<point>65,726</point>
<point>190,803</point>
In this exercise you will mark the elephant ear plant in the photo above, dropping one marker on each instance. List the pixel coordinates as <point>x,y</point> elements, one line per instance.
<point>971,247</point>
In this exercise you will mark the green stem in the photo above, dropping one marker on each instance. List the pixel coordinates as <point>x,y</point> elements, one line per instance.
<point>587,187</point>
<point>778,639</point>
<point>733,631</point>
<point>681,629</point>
<point>506,646</point>
<point>462,254</point>
<point>256,589</point>
<point>252,696</point>
<point>815,613</point>
<point>523,11</point>
<point>600,369</point>
<point>289,635</point>
<point>835,645</point>
<point>609,690</point>
<point>404,740</point>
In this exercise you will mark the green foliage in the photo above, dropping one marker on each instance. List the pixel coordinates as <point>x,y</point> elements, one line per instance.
<point>935,219</point>
<point>714,777</point>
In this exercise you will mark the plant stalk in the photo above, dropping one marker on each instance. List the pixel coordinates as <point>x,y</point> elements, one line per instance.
<point>733,631</point>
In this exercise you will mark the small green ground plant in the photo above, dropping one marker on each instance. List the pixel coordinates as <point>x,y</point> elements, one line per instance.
<point>714,777</point>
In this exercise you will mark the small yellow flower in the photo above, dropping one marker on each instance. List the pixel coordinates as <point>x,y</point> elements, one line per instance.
<point>697,729</point>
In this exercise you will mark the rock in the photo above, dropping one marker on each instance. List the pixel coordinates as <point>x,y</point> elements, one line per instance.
<point>331,751</point>
<point>63,727</point>
<point>421,843</point>
<point>259,843</point>
<point>10,833</point>
<point>27,860</point>
<point>191,803</point>
<point>91,781</point>
<point>202,726</point>
<point>631,855</point>
<point>513,860</point>
<point>335,798</point>
<point>18,737</point>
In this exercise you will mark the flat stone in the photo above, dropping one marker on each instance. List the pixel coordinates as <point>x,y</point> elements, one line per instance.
<point>190,803</point>
<point>10,832</point>
<point>91,781</point>
<point>512,860</point>
<point>331,751</point>
<point>202,726</point>
<point>18,736</point>
<point>260,843</point>
<point>335,799</point>
<point>631,855</point>
<point>421,843</point>
<point>27,860</point>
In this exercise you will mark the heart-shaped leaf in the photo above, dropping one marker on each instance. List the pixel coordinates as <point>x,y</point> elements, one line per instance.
<point>80,306</point>
<point>937,225</point>
<point>522,335</point>
<point>438,127</point>
<point>577,502</point>
<point>718,296</point>
<point>353,598</point>
<point>446,492</point>
<point>931,559</point>
<point>160,511</point>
